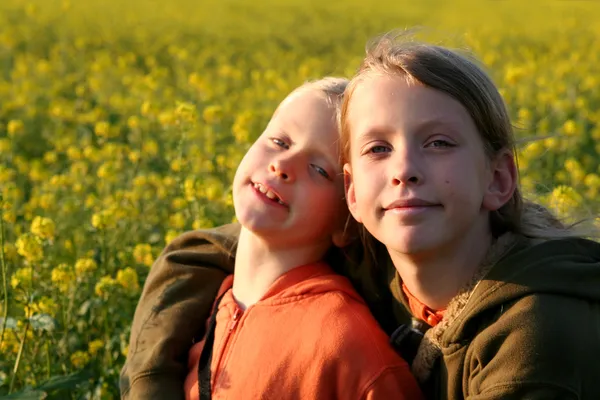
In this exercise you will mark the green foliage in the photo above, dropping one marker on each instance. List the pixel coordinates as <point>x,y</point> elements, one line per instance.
<point>122,123</point>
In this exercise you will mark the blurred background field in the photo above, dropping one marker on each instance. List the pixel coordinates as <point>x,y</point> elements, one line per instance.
<point>121,124</point>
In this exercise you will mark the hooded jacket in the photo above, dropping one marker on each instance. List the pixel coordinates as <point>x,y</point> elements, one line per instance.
<point>310,336</point>
<point>526,327</point>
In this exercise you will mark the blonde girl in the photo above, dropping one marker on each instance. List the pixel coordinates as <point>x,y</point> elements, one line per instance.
<point>510,297</point>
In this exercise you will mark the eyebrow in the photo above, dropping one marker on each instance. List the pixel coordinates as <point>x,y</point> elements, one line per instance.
<point>435,122</point>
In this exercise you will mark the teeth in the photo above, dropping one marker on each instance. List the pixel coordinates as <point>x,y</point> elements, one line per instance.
<point>268,193</point>
<point>260,188</point>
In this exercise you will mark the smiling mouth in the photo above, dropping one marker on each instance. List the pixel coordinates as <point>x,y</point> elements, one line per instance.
<point>268,193</point>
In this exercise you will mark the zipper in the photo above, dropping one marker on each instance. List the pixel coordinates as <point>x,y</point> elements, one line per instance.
<point>236,318</point>
<point>237,315</point>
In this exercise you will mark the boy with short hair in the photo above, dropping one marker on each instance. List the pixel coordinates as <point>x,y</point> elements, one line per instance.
<point>286,326</point>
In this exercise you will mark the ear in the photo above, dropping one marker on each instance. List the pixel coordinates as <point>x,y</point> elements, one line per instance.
<point>503,181</point>
<point>350,194</point>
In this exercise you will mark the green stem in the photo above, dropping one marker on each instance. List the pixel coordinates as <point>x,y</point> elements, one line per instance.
<point>4,271</point>
<point>47,361</point>
<point>18,360</point>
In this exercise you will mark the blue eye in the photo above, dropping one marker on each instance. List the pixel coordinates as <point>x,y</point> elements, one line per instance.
<point>439,144</point>
<point>321,171</point>
<point>280,143</point>
<point>379,149</point>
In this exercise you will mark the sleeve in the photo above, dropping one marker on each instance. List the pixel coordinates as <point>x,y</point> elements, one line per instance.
<point>533,351</point>
<point>393,383</point>
<point>176,301</point>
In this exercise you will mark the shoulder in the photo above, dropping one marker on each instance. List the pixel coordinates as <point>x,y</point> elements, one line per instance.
<point>540,342</point>
<point>355,331</point>
<point>223,238</point>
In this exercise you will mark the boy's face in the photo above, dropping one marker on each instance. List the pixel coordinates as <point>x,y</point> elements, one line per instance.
<point>288,188</point>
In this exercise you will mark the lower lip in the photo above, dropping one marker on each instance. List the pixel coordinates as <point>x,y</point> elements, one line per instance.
<point>265,199</point>
<point>410,211</point>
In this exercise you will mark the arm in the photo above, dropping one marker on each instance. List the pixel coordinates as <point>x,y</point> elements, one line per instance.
<point>535,350</point>
<point>393,383</point>
<point>175,303</point>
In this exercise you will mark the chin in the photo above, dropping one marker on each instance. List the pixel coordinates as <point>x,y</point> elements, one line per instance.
<point>410,243</point>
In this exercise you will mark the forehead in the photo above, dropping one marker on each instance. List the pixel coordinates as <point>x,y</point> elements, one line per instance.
<point>400,101</point>
<point>307,115</point>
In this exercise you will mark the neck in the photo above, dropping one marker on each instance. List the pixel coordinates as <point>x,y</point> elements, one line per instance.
<point>437,277</point>
<point>258,264</point>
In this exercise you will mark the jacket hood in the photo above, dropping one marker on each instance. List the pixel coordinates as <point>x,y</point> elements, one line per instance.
<point>307,280</point>
<point>562,267</point>
<point>515,267</point>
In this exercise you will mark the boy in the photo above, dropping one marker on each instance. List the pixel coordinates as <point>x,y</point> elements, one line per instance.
<point>286,326</point>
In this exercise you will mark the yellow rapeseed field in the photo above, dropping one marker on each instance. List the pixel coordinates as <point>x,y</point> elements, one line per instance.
<point>122,122</point>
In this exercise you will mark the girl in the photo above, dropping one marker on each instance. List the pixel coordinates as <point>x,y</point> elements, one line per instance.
<point>430,173</point>
<point>508,296</point>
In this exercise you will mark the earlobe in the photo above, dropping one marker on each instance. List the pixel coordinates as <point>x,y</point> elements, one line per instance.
<point>503,181</point>
<point>350,194</point>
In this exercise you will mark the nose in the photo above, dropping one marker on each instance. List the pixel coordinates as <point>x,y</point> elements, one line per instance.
<point>283,169</point>
<point>406,168</point>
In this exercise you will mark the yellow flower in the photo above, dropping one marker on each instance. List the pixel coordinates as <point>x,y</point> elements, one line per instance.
<point>177,165</point>
<point>102,129</point>
<point>150,148</point>
<point>10,251</point>
<point>142,253</point>
<point>84,266</point>
<point>30,247</point>
<point>212,114</point>
<point>14,127</point>
<point>80,359</point>
<point>104,219</point>
<point>565,201</point>
<point>134,156</point>
<point>170,236</point>
<point>6,174</point>
<point>5,146</point>
<point>133,122</point>
<point>128,278</point>
<point>177,221</point>
<point>570,127</point>
<point>22,278</point>
<point>185,112</point>
<point>63,277</point>
<point>9,216</point>
<point>94,346</point>
<point>43,228</point>
<point>105,286</point>
<point>45,305</point>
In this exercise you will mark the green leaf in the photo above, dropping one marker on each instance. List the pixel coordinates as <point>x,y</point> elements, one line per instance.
<point>65,382</point>
<point>26,395</point>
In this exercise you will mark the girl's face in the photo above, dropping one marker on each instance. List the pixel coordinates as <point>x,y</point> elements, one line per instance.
<point>418,177</point>
<point>289,186</point>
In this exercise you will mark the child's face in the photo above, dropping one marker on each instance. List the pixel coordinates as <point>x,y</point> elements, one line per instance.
<point>418,174</point>
<point>289,186</point>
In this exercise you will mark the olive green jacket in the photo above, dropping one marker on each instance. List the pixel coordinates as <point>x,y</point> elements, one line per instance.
<point>526,327</point>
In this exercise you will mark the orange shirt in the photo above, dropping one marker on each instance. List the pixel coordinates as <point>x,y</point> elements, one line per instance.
<point>310,337</point>
<point>421,311</point>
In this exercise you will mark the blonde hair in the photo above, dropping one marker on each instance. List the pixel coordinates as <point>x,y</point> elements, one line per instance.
<point>461,77</point>
<point>332,87</point>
